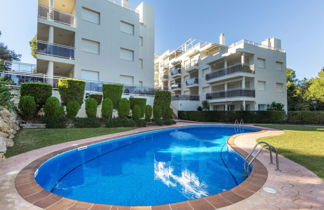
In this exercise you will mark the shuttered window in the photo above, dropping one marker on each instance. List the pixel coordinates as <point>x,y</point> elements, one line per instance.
<point>90,15</point>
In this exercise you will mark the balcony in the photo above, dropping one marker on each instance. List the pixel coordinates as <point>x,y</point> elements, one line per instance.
<point>176,72</point>
<point>55,15</point>
<point>192,82</point>
<point>193,67</point>
<point>165,77</point>
<point>228,71</point>
<point>231,93</point>
<point>55,50</point>
<point>175,86</point>
<point>185,98</point>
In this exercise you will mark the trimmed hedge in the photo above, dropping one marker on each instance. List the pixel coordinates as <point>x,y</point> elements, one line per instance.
<point>157,112</point>
<point>107,109</point>
<point>114,92</point>
<point>87,123</point>
<point>138,101</point>
<point>148,112</point>
<point>120,122</point>
<point>123,108</point>
<point>27,107</point>
<point>71,90</point>
<point>53,108</point>
<point>136,113</point>
<point>40,91</point>
<point>163,100</point>
<point>72,109</point>
<point>97,97</point>
<point>91,108</point>
<point>231,116</point>
<point>306,117</point>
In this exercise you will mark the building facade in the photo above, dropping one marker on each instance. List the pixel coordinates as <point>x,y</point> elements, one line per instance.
<point>96,40</point>
<point>242,76</point>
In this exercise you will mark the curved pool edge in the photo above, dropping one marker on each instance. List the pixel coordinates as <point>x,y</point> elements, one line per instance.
<point>29,189</point>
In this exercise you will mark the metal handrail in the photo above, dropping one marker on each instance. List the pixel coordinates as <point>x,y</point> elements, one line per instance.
<point>263,145</point>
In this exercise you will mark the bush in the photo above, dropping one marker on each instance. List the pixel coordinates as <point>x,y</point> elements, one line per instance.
<point>107,109</point>
<point>158,122</point>
<point>114,92</point>
<point>275,107</point>
<point>87,122</point>
<point>231,116</point>
<point>27,106</point>
<point>123,108</point>
<point>168,122</point>
<point>97,97</point>
<point>6,97</point>
<point>168,114</point>
<point>136,112</point>
<point>306,117</point>
<point>140,123</point>
<point>91,108</point>
<point>39,91</point>
<point>120,122</point>
<point>56,122</point>
<point>163,100</point>
<point>138,101</point>
<point>71,90</point>
<point>72,109</point>
<point>148,113</point>
<point>157,112</point>
<point>53,108</point>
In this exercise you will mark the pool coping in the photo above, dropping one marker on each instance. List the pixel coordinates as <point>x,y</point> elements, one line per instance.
<point>29,189</point>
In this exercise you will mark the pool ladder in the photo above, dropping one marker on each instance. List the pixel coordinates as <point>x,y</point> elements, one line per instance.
<point>250,158</point>
<point>238,126</point>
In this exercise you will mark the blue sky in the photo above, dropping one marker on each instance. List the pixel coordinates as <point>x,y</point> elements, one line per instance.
<point>298,23</point>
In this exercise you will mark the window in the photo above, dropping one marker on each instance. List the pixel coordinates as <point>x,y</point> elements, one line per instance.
<point>90,46</point>
<point>231,108</point>
<point>279,66</point>
<point>90,75</point>
<point>262,107</point>
<point>127,80</point>
<point>279,87</point>
<point>127,28</point>
<point>90,15</point>
<point>261,63</point>
<point>141,41</point>
<point>261,85</point>
<point>141,63</point>
<point>126,54</point>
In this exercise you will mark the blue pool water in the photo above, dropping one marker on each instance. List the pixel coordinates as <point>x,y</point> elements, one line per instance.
<point>153,168</point>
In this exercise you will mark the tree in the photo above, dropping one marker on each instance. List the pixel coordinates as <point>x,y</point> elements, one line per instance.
<point>33,46</point>
<point>7,55</point>
<point>315,91</point>
<point>296,91</point>
<point>275,107</point>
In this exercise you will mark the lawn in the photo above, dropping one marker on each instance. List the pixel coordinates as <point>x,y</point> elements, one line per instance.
<point>302,144</point>
<point>30,139</point>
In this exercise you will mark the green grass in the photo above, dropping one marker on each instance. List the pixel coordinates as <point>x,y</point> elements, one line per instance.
<point>302,144</point>
<point>30,139</point>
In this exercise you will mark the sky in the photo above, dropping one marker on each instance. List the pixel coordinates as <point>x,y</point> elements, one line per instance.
<point>298,23</point>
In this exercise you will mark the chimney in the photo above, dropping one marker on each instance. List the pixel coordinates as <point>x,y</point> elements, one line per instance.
<point>222,39</point>
<point>125,3</point>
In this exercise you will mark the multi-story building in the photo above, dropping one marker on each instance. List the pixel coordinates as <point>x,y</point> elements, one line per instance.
<point>96,40</point>
<point>242,76</point>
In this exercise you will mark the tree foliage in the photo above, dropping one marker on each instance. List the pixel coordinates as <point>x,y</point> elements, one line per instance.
<point>7,55</point>
<point>33,46</point>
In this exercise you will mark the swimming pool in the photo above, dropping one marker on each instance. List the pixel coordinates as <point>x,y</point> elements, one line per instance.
<point>153,168</point>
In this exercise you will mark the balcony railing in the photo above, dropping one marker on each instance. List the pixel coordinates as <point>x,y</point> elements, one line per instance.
<point>16,79</point>
<point>55,15</point>
<point>229,70</point>
<point>185,98</point>
<point>55,50</point>
<point>231,93</point>
<point>192,81</point>
<point>15,66</point>
<point>175,72</point>
<point>192,67</point>
<point>175,86</point>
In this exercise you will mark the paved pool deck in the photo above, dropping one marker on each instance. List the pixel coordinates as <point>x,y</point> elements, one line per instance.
<point>295,187</point>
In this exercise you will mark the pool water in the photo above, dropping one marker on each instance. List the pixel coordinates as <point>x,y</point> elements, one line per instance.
<point>153,168</point>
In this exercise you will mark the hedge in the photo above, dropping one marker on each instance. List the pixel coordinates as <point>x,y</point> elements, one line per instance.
<point>123,108</point>
<point>27,107</point>
<point>163,100</point>
<point>97,97</point>
<point>136,113</point>
<point>107,109</point>
<point>114,92</point>
<point>72,109</point>
<point>231,116</point>
<point>71,90</point>
<point>40,91</point>
<point>306,117</point>
<point>91,108</point>
<point>138,101</point>
<point>148,112</point>
<point>53,108</point>
<point>157,112</point>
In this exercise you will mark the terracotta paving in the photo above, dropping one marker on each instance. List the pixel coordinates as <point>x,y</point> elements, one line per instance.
<point>296,186</point>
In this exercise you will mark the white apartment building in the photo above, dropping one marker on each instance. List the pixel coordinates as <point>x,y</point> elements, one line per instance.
<point>242,76</point>
<point>96,40</point>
